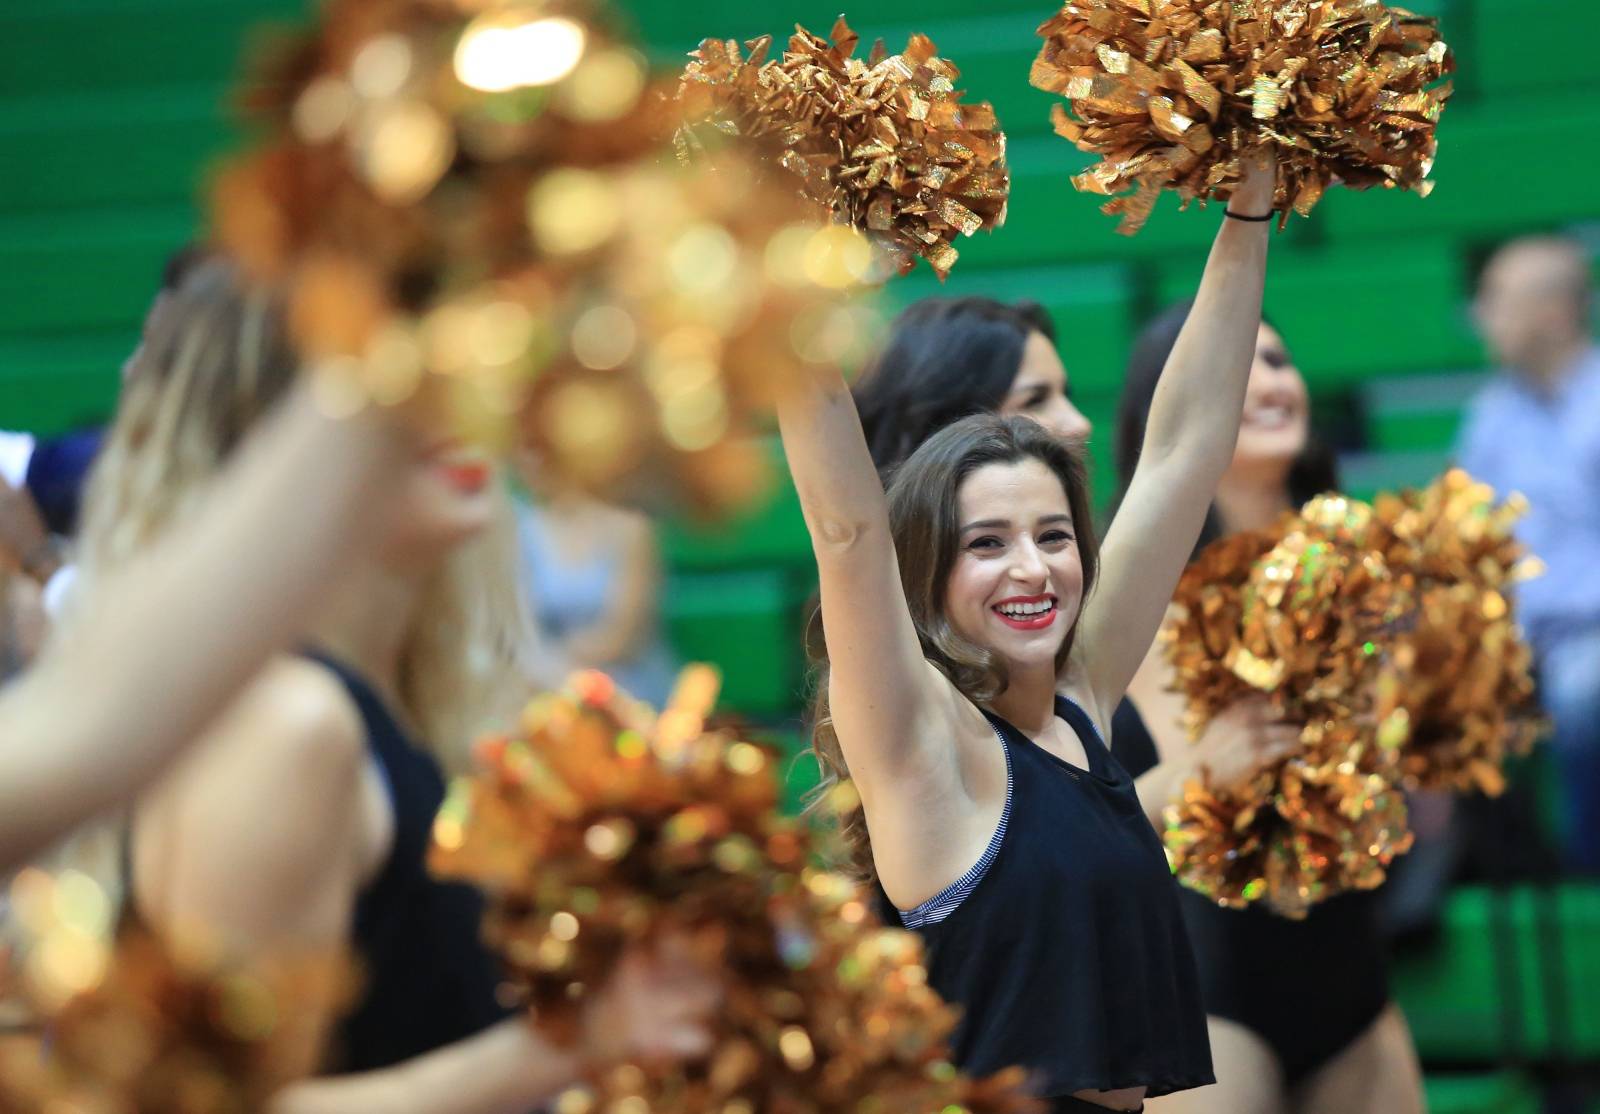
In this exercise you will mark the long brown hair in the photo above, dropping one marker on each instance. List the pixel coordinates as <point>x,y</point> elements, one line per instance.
<point>925,525</point>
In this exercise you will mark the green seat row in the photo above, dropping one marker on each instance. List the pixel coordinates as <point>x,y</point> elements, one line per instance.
<point>1365,474</point>
<point>1355,313</point>
<point>1512,975</point>
<point>770,534</point>
<point>96,150</point>
<point>59,383</point>
<point>1484,191</point>
<point>96,271</point>
<point>115,45</point>
<point>1530,45</point>
<point>1417,412</point>
<point>110,44</point>
<point>1500,1092</point>
<point>750,624</point>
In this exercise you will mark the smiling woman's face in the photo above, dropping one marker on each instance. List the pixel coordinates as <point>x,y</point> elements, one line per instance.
<point>1277,409</point>
<point>1017,581</point>
<point>1040,391</point>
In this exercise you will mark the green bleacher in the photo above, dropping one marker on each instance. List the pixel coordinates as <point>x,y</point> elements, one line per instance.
<point>112,110</point>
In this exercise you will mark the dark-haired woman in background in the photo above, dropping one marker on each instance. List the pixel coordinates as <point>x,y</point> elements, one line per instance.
<point>1299,1012</point>
<point>950,357</point>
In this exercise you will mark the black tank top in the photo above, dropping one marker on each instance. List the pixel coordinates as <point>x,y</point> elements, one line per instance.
<point>428,981</point>
<point>1068,953</point>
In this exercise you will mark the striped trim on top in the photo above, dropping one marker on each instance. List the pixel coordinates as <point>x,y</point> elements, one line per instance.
<point>949,899</point>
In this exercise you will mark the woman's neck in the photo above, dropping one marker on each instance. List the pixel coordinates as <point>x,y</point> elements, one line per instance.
<point>1251,502</point>
<point>1029,702</point>
<point>365,625</point>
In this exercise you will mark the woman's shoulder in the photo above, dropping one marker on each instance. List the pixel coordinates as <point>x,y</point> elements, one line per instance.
<point>308,705</point>
<point>1073,685</point>
<point>295,723</point>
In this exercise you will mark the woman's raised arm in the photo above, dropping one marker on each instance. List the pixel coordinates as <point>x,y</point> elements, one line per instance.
<point>1194,422</point>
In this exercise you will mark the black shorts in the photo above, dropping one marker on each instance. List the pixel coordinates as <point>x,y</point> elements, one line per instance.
<point>1308,988</point>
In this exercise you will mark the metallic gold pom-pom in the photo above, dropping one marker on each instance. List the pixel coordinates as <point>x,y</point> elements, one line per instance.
<point>884,144</point>
<point>477,215</point>
<point>597,825</point>
<point>1174,95</point>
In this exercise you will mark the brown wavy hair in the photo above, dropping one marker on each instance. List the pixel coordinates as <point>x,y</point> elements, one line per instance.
<point>924,523</point>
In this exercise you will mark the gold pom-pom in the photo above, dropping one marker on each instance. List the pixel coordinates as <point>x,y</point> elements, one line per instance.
<point>475,212</point>
<point>1174,95</point>
<point>1327,820</point>
<point>598,826</point>
<point>1460,671</point>
<point>1386,630</point>
<point>883,144</point>
<point>1292,614</point>
<point>160,1032</point>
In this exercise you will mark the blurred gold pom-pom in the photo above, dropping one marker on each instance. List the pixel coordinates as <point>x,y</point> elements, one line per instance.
<point>597,826</point>
<point>1173,96</point>
<point>476,213</point>
<point>1291,613</point>
<point>884,144</point>
<point>1461,672</point>
<point>176,1034</point>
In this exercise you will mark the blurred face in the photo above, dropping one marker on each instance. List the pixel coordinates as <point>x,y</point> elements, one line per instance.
<point>1040,392</point>
<point>447,498</point>
<point>1527,307</point>
<point>1277,410</point>
<point>1017,582</point>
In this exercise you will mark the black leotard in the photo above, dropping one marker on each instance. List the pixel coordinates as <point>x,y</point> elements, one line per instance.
<point>1308,988</point>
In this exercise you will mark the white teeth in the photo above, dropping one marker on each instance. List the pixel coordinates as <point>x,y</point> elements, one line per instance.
<point>1021,610</point>
<point>1269,415</point>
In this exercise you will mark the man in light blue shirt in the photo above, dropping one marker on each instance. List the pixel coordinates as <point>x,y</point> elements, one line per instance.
<point>1536,429</point>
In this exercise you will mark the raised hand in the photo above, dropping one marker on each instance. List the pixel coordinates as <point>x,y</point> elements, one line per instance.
<point>656,1007</point>
<point>1241,740</point>
<point>1253,197</point>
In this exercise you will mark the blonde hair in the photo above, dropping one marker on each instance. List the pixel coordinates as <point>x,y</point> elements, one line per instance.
<point>215,360</point>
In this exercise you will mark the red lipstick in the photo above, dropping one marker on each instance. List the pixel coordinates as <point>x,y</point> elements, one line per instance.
<point>1036,621</point>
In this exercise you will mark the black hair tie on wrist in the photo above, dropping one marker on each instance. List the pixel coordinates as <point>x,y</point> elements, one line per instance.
<point>1231,215</point>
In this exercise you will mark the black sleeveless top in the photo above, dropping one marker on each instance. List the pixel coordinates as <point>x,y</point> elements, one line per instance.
<point>1064,945</point>
<point>427,979</point>
<point>1308,987</point>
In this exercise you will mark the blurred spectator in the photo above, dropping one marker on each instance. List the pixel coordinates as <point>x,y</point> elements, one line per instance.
<point>28,543</point>
<point>593,578</point>
<point>22,622</point>
<point>1536,429</point>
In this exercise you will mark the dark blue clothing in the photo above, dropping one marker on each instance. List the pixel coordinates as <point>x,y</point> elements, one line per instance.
<point>428,980</point>
<point>1068,954</point>
<point>57,472</point>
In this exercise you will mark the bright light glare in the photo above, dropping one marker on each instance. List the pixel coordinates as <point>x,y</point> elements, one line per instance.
<point>494,56</point>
